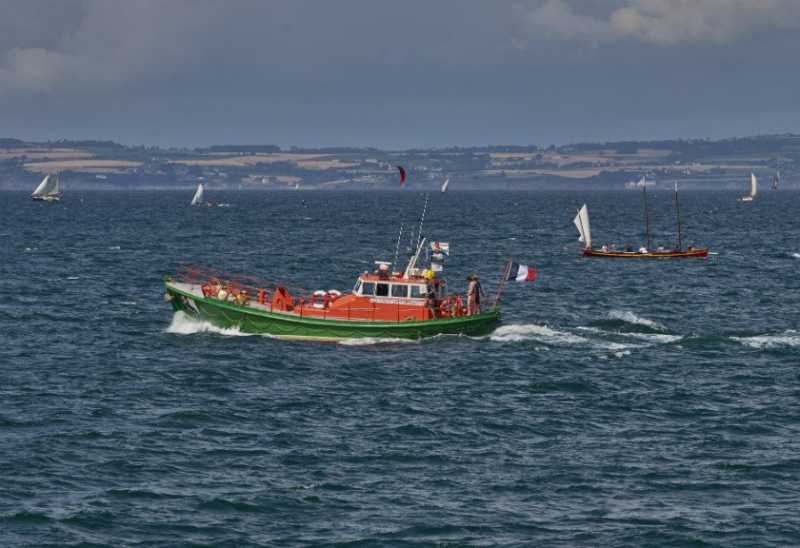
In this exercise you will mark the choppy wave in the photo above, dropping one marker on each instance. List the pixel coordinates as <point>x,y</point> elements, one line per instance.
<point>788,338</point>
<point>796,255</point>
<point>629,317</point>
<point>182,324</point>
<point>553,337</point>
<point>656,338</point>
<point>527,332</point>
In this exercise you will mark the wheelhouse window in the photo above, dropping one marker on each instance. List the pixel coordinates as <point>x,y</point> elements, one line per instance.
<point>368,288</point>
<point>357,287</point>
<point>400,290</point>
<point>417,291</point>
<point>382,290</point>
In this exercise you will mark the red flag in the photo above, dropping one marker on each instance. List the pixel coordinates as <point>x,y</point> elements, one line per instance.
<point>402,175</point>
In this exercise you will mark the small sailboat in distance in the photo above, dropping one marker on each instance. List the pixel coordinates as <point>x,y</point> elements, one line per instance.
<point>49,190</point>
<point>445,184</point>
<point>197,199</point>
<point>750,196</point>
<point>776,179</point>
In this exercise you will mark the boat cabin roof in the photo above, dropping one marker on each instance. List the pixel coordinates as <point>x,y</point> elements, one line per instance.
<point>393,285</point>
<point>394,277</point>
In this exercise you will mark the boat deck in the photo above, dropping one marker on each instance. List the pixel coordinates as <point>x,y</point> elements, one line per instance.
<point>197,291</point>
<point>376,311</point>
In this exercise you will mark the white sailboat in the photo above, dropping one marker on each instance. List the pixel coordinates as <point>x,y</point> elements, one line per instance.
<point>49,190</point>
<point>776,179</point>
<point>582,223</point>
<point>445,184</point>
<point>749,197</point>
<point>198,195</point>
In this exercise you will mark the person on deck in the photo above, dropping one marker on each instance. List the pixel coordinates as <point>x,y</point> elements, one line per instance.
<point>474,291</point>
<point>430,299</point>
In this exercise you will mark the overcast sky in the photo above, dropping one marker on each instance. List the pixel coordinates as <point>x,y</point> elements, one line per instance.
<point>396,74</point>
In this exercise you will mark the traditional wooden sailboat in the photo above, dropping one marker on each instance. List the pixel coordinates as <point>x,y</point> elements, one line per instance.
<point>751,195</point>
<point>49,190</point>
<point>585,236</point>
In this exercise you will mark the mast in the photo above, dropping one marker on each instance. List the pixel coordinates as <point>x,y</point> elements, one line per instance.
<point>412,263</point>
<point>776,179</point>
<point>646,213</point>
<point>422,218</point>
<point>678,213</point>
<point>397,247</point>
<point>502,284</point>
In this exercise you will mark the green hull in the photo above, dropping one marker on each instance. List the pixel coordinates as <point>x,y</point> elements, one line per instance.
<point>228,315</point>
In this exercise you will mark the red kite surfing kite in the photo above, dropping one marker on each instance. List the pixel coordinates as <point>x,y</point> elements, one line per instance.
<point>402,175</point>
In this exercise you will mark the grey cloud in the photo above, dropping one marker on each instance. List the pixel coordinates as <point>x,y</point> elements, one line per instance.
<point>100,44</point>
<point>661,22</point>
<point>317,72</point>
<point>108,44</point>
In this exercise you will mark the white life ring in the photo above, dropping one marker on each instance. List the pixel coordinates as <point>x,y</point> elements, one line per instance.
<point>318,299</point>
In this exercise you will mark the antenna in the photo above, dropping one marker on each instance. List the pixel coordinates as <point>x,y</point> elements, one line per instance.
<point>422,219</point>
<point>397,247</point>
<point>412,263</point>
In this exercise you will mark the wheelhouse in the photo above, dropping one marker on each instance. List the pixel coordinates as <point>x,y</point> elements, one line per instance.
<point>395,286</point>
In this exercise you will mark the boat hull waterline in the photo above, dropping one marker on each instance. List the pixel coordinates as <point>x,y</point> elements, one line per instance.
<point>687,254</point>
<point>46,198</point>
<point>285,325</point>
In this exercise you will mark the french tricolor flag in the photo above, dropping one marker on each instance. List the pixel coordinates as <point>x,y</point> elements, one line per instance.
<point>521,273</point>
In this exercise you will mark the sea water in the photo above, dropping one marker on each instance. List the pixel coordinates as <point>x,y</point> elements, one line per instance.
<point>620,403</point>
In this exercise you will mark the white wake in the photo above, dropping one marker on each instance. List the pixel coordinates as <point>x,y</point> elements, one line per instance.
<point>548,336</point>
<point>655,338</point>
<point>183,324</point>
<point>529,332</point>
<point>370,341</point>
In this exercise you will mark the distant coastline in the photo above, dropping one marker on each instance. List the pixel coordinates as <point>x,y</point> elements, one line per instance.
<point>108,165</point>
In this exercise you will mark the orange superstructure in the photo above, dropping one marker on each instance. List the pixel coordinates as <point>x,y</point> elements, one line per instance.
<point>385,297</point>
<point>381,296</point>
